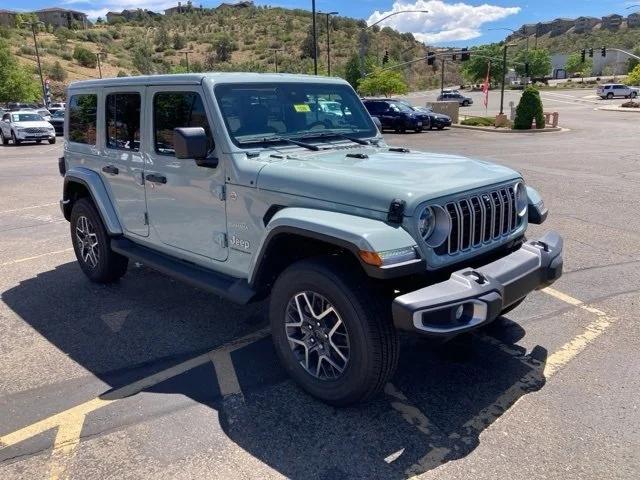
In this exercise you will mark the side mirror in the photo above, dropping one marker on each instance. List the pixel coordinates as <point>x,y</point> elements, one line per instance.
<point>193,143</point>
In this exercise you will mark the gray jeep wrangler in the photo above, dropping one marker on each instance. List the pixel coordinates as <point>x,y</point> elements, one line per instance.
<point>257,185</point>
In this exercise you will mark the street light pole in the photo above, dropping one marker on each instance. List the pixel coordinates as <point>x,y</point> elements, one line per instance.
<point>315,37</point>
<point>442,77</point>
<point>328,14</point>
<point>34,26</point>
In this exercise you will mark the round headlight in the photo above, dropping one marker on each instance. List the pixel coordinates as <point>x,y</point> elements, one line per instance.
<point>426,222</point>
<point>522,199</point>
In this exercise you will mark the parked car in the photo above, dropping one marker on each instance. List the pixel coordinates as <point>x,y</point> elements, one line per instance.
<point>455,97</point>
<point>25,126</point>
<point>231,183</point>
<point>436,120</point>
<point>44,113</point>
<point>611,90</point>
<point>57,120</point>
<point>394,115</point>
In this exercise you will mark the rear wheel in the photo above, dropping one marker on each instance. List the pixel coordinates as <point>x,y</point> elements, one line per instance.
<point>465,103</point>
<point>609,96</point>
<point>332,333</point>
<point>634,94</point>
<point>92,245</point>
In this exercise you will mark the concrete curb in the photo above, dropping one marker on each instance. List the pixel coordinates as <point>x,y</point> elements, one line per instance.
<point>619,109</point>
<point>504,130</point>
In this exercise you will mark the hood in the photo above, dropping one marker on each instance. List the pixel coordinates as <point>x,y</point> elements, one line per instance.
<point>383,176</point>
<point>37,124</point>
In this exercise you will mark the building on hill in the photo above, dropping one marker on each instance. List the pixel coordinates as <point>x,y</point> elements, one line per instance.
<point>7,18</point>
<point>247,4</point>
<point>633,20</point>
<point>180,8</point>
<point>585,24</point>
<point>612,22</point>
<point>61,17</point>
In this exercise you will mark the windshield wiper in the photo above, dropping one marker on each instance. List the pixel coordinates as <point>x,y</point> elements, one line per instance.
<point>308,146</point>
<point>359,141</point>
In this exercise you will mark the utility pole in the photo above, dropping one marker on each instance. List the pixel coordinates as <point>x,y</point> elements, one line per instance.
<point>34,26</point>
<point>186,57</point>
<point>504,75</point>
<point>328,14</point>
<point>275,53</point>
<point>442,76</point>
<point>315,37</point>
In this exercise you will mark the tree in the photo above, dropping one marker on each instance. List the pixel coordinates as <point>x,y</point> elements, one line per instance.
<point>539,60</point>
<point>85,57</point>
<point>16,82</point>
<point>142,59</point>
<point>575,65</point>
<point>383,82</point>
<point>475,69</point>
<point>352,73</point>
<point>223,45</point>
<point>529,108</point>
<point>178,41</point>
<point>634,76</point>
<point>56,72</point>
<point>633,62</point>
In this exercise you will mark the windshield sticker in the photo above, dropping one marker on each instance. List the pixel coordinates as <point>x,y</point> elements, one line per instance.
<point>302,108</point>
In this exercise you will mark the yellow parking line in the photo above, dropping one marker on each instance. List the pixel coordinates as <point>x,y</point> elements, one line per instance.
<point>71,415</point>
<point>35,257</point>
<point>64,447</point>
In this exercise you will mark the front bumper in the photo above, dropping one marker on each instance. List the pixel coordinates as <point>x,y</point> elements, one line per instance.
<point>472,298</point>
<point>35,136</point>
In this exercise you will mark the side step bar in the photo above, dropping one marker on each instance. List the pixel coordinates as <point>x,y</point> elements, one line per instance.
<point>234,289</point>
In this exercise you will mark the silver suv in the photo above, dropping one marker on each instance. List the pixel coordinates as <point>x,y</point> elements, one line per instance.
<point>245,186</point>
<point>612,90</point>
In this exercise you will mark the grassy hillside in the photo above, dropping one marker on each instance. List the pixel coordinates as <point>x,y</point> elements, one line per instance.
<point>238,39</point>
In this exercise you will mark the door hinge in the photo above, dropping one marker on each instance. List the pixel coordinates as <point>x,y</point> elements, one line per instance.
<point>146,218</point>
<point>221,240</point>
<point>221,193</point>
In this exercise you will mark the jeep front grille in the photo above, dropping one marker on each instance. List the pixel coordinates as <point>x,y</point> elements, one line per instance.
<point>480,219</point>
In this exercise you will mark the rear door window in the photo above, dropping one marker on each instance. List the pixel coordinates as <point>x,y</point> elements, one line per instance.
<point>82,118</point>
<point>123,121</point>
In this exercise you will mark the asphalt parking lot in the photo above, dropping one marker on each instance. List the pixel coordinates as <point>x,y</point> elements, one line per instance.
<point>149,378</point>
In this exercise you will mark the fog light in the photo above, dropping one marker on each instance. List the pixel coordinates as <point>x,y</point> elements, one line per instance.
<point>459,312</point>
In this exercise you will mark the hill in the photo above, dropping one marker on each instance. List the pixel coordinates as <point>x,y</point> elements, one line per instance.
<point>221,39</point>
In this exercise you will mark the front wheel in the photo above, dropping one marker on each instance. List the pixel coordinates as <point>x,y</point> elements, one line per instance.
<point>15,140</point>
<point>52,141</point>
<point>332,333</point>
<point>92,245</point>
<point>465,103</point>
<point>634,94</point>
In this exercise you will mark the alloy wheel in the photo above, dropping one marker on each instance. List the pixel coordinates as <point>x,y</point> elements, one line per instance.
<point>317,336</point>
<point>87,241</point>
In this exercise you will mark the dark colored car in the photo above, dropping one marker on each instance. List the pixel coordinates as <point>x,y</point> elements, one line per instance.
<point>57,120</point>
<point>394,115</point>
<point>437,120</point>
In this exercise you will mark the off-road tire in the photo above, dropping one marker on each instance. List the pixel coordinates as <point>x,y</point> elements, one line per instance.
<point>52,141</point>
<point>109,265</point>
<point>366,313</point>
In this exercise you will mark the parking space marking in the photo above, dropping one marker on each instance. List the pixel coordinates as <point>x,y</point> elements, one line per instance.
<point>225,373</point>
<point>35,257</point>
<point>64,447</point>
<point>29,208</point>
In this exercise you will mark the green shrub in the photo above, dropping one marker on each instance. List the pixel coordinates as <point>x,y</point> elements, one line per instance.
<point>529,109</point>
<point>56,72</point>
<point>85,57</point>
<point>479,121</point>
<point>27,50</point>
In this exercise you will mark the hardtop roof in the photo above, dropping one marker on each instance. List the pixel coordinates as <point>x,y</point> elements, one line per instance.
<point>198,78</point>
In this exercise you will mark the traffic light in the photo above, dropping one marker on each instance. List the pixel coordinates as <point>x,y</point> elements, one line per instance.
<point>431,58</point>
<point>603,51</point>
<point>591,53</point>
<point>385,59</point>
<point>583,55</point>
<point>465,55</point>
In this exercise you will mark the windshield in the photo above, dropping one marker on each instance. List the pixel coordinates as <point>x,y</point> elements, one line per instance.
<point>58,114</point>
<point>402,107</point>
<point>26,117</point>
<point>257,112</point>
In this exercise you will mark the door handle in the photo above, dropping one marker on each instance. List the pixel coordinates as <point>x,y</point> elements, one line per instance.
<point>152,177</point>
<point>110,169</point>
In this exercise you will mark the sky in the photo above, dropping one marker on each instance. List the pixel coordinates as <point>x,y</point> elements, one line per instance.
<point>452,23</point>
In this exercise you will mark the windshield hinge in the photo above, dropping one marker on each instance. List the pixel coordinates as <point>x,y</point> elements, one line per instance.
<point>396,211</point>
<point>146,218</point>
<point>221,193</point>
